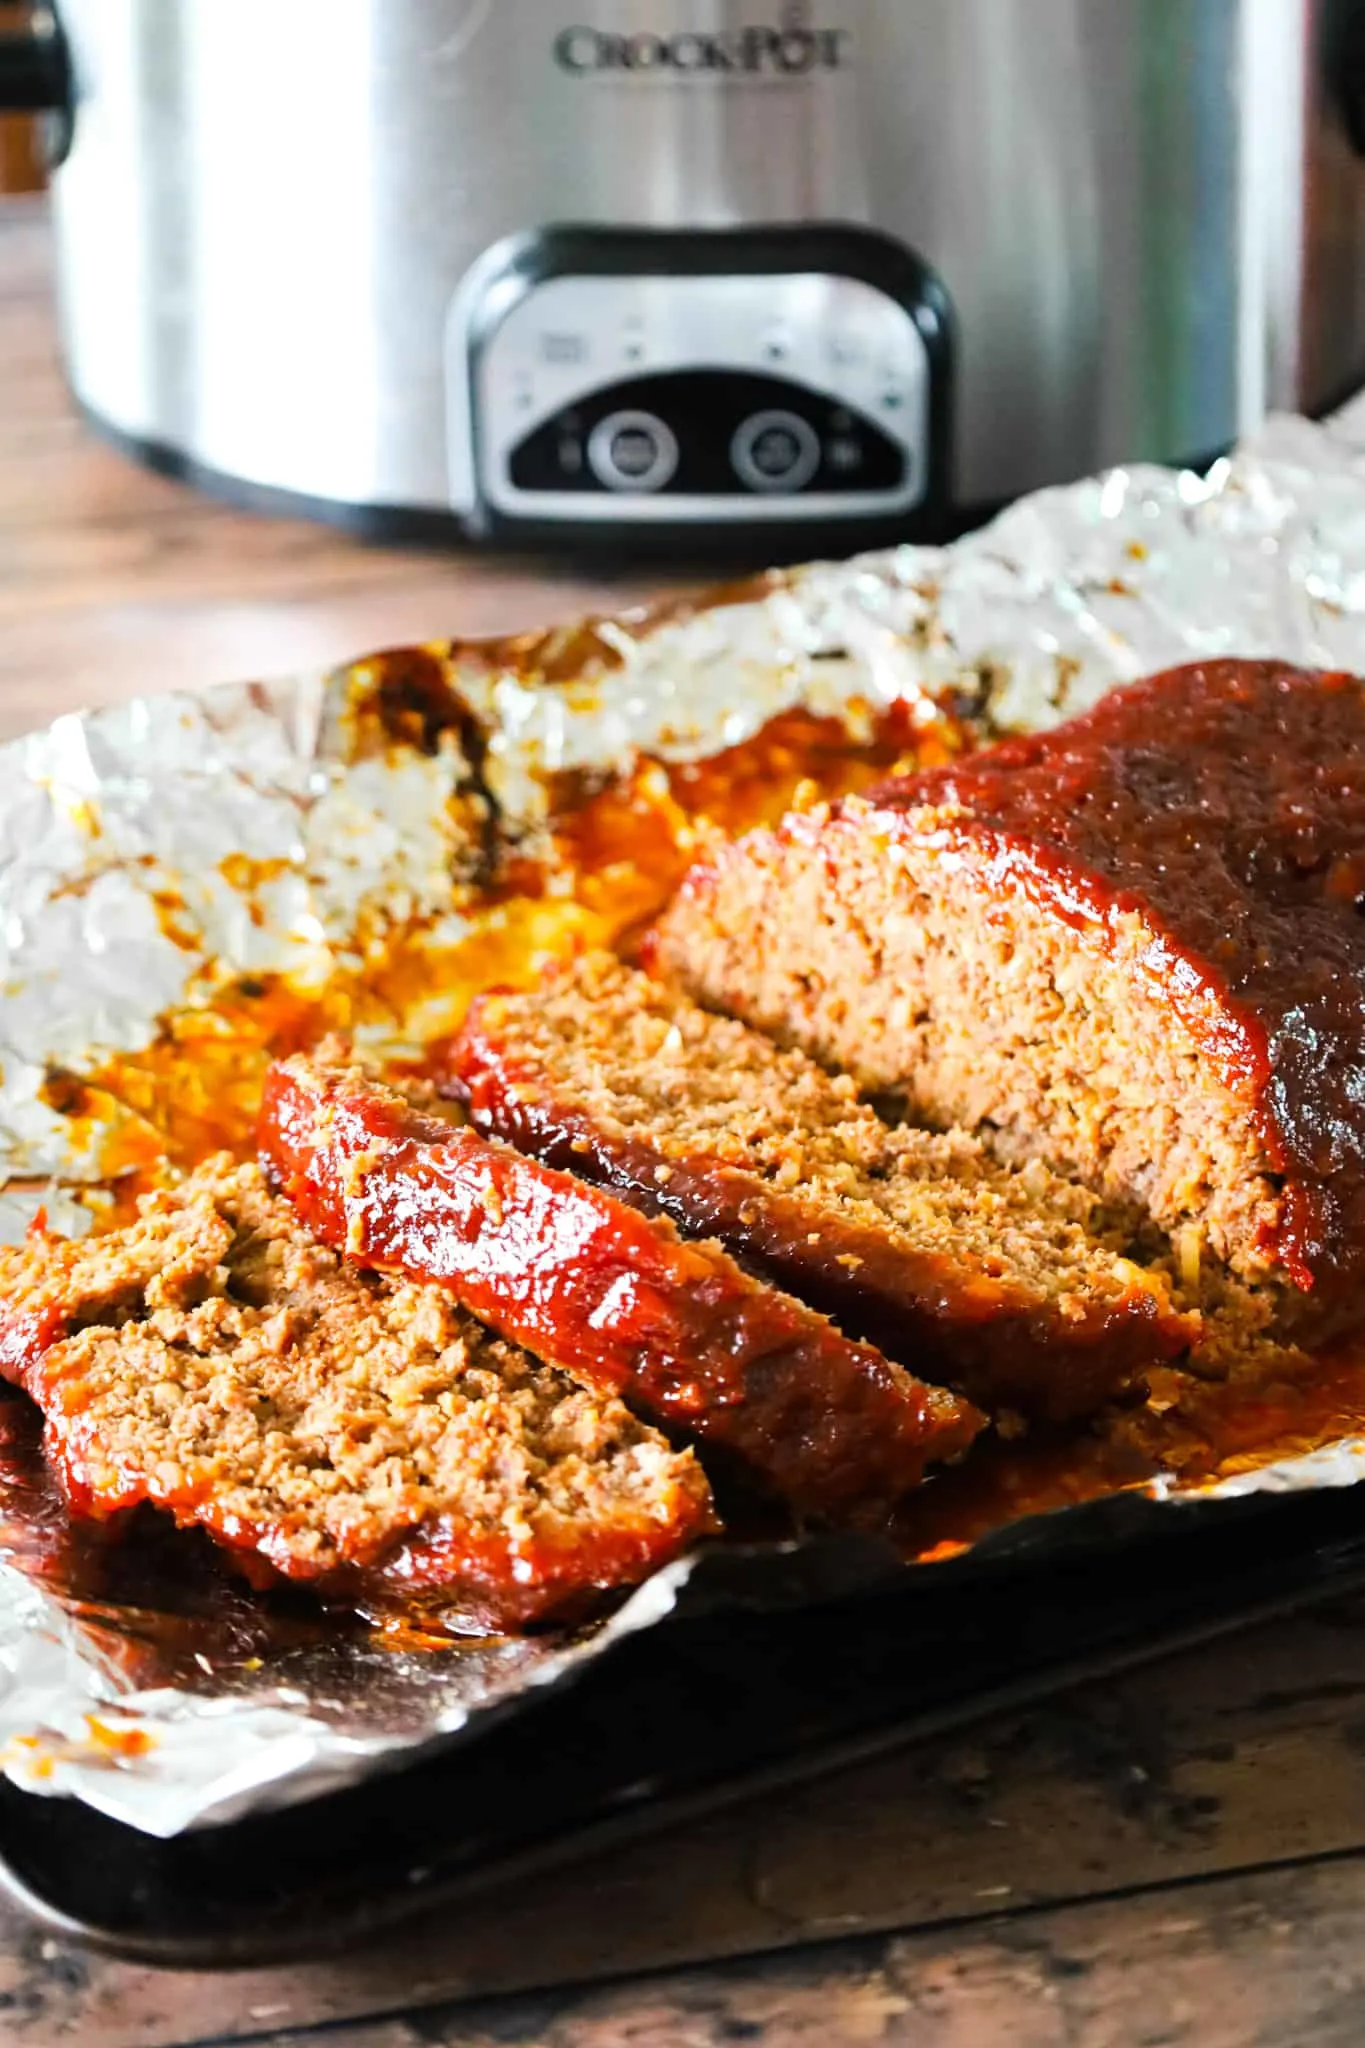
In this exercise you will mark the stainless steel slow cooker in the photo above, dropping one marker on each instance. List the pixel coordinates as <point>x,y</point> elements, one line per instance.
<point>564,270</point>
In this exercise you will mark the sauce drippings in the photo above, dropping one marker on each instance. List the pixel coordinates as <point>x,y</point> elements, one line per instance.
<point>1201,1432</point>
<point>612,852</point>
<point>160,1603</point>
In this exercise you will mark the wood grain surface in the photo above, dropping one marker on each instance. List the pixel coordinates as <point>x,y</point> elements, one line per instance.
<point>19,168</point>
<point>1177,1858</point>
<point>1140,1796</point>
<point>1274,1959</point>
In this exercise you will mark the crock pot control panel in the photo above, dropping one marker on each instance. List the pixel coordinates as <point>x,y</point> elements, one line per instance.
<point>608,376</point>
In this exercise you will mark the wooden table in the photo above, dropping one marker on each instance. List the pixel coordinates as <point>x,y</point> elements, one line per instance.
<point>1177,1858</point>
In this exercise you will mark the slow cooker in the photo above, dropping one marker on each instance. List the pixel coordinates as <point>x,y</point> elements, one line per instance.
<point>563,271</point>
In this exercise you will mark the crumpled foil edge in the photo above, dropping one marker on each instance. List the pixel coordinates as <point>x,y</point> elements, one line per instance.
<point>1030,620</point>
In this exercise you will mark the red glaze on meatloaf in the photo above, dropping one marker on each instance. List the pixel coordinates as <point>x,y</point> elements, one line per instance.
<point>990,1277</point>
<point>1133,946</point>
<point>615,1298</point>
<point>361,1435</point>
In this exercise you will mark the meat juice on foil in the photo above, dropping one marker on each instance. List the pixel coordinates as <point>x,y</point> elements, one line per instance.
<point>189,885</point>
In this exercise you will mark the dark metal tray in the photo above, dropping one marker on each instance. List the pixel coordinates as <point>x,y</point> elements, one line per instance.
<point>687,1717</point>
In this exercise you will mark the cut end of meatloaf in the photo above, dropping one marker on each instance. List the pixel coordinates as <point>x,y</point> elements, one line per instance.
<point>617,1297</point>
<point>991,1277</point>
<point>897,945</point>
<point>358,1433</point>
<point>1131,947</point>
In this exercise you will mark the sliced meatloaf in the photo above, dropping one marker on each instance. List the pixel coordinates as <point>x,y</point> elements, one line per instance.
<point>919,1241</point>
<point>1132,947</point>
<point>360,1434</point>
<point>617,1298</point>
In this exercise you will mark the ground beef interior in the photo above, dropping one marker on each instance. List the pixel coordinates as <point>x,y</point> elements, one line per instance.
<point>1131,947</point>
<point>358,1433</point>
<point>830,1426</point>
<point>994,1278</point>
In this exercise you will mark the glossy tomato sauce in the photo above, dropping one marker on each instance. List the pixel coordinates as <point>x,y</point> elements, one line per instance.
<point>1225,803</point>
<point>613,851</point>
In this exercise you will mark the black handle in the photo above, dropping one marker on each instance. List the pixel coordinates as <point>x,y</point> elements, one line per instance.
<point>35,77</point>
<point>1345,53</point>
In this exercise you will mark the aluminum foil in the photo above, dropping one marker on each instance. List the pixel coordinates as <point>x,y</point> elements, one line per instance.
<point>280,845</point>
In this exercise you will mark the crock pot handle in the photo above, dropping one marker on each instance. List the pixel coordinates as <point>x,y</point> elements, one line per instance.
<point>35,76</point>
<point>1345,54</point>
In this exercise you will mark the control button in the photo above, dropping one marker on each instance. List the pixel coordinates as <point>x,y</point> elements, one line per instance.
<point>632,451</point>
<point>843,452</point>
<point>775,451</point>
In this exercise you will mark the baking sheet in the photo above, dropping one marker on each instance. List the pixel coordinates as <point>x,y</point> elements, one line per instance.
<point>155,855</point>
<point>681,1721</point>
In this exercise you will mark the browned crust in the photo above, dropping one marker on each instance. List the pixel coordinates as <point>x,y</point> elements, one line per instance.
<point>1003,1341</point>
<point>356,1434</point>
<point>618,1299</point>
<point>1215,814</point>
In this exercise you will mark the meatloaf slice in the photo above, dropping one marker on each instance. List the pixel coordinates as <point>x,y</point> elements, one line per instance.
<point>616,1298</point>
<point>1132,947</point>
<point>986,1275</point>
<point>363,1435</point>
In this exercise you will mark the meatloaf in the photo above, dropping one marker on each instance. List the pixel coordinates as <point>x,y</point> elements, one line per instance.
<point>916,1239</point>
<point>360,1434</point>
<point>617,1298</point>
<point>1132,947</point>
